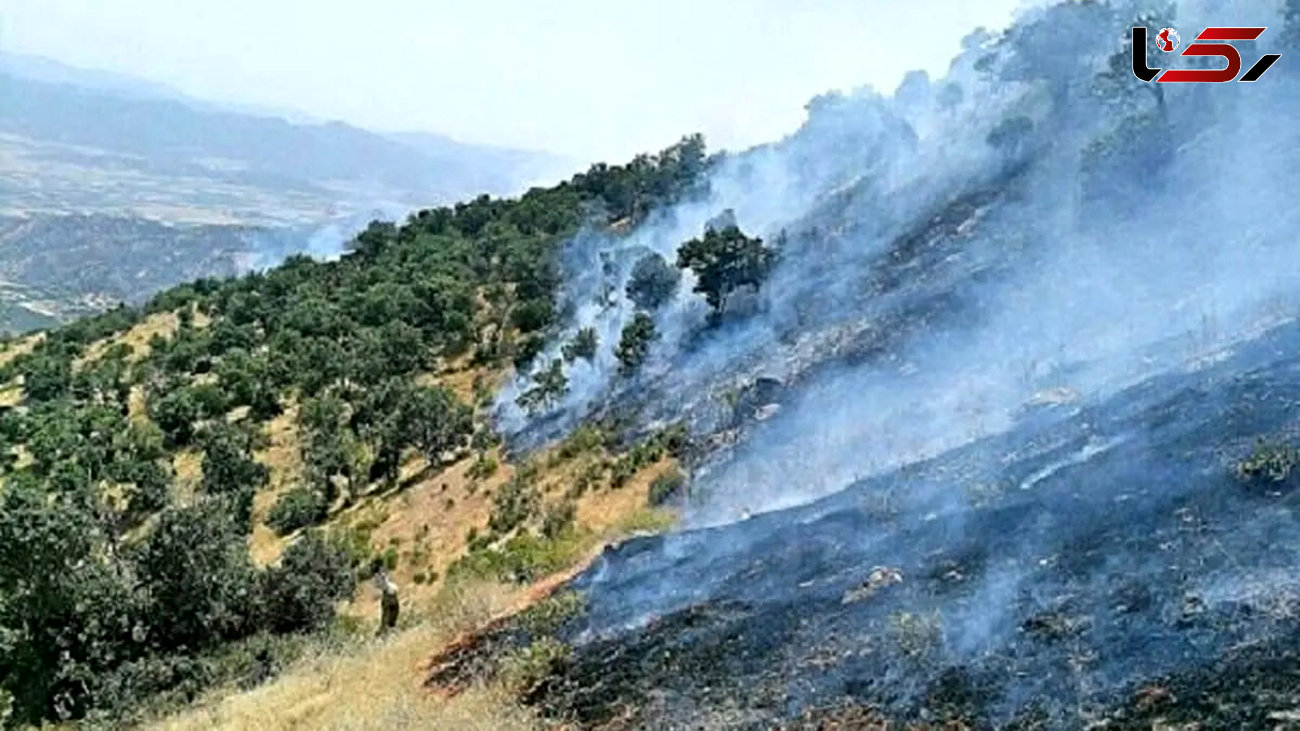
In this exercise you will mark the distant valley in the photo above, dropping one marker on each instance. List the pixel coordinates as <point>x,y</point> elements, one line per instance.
<point>112,188</point>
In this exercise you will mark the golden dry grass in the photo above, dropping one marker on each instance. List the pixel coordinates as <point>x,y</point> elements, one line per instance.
<point>425,518</point>
<point>11,395</point>
<point>19,347</point>
<point>187,465</point>
<point>379,686</point>
<point>136,338</point>
<point>284,459</point>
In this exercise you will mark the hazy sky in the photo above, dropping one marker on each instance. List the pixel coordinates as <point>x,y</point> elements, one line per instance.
<point>596,79</point>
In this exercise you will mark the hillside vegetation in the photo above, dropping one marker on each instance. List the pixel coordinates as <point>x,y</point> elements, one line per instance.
<point>192,488</point>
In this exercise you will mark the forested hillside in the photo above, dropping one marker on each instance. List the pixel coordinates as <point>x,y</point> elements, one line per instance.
<point>153,455</point>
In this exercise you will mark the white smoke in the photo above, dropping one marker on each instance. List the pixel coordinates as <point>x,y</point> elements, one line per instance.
<point>1087,298</point>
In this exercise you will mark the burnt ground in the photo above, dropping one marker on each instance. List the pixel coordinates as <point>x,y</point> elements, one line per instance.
<point>1098,566</point>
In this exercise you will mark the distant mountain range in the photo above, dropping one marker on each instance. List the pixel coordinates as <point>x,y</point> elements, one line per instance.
<point>88,146</point>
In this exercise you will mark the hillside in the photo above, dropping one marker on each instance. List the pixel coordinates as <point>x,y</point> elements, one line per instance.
<point>196,441</point>
<point>969,407</point>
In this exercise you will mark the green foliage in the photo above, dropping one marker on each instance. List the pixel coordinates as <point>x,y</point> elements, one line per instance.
<point>298,508</point>
<point>47,376</point>
<point>549,385</point>
<point>525,667</point>
<point>725,260</point>
<point>176,412</point>
<point>549,615</point>
<point>484,467</point>
<point>653,282</point>
<point>666,487</point>
<point>559,519</point>
<point>583,345</point>
<point>207,597</point>
<point>299,593</point>
<point>1269,462</point>
<point>229,467</point>
<point>524,557</point>
<point>634,343</point>
<point>514,503</point>
<point>110,594</point>
<point>584,439</point>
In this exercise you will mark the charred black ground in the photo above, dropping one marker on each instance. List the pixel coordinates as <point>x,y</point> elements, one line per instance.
<point>1071,581</point>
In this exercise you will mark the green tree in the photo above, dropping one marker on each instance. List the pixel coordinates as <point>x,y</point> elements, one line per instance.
<point>47,377</point>
<point>652,282</point>
<point>634,344</point>
<point>725,260</point>
<point>175,412</point>
<point>298,508</point>
<point>66,616</point>
<point>197,577</point>
<point>300,592</point>
<point>583,345</point>
<point>229,467</point>
<point>549,385</point>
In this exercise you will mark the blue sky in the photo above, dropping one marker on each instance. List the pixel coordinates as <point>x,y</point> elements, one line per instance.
<point>595,79</point>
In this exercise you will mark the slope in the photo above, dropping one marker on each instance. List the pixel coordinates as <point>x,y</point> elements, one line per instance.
<point>168,466</point>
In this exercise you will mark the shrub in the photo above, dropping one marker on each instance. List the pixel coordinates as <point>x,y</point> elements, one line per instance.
<point>1269,462</point>
<point>514,503</point>
<point>585,438</point>
<point>634,344</point>
<point>527,666</point>
<point>623,471</point>
<point>559,519</point>
<point>299,593</point>
<point>653,282</point>
<point>666,487</point>
<point>583,345</point>
<point>298,508</point>
<point>523,558</point>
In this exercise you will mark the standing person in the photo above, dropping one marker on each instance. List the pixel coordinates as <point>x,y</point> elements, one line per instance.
<point>388,604</point>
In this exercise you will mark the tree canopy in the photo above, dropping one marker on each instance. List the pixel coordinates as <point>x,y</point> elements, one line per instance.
<point>724,260</point>
<point>117,580</point>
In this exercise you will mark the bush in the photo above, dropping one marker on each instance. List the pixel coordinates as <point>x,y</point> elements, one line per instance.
<point>527,666</point>
<point>634,344</point>
<point>666,487</point>
<point>585,438</point>
<point>653,282</point>
<point>583,345</point>
<point>559,519</point>
<point>514,503</point>
<point>1268,462</point>
<point>523,558</point>
<point>300,592</point>
<point>484,467</point>
<point>298,508</point>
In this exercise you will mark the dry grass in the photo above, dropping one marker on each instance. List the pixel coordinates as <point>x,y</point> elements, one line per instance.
<point>379,686</point>
<point>19,347</point>
<point>136,338</point>
<point>188,467</point>
<point>12,395</point>
<point>284,458</point>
